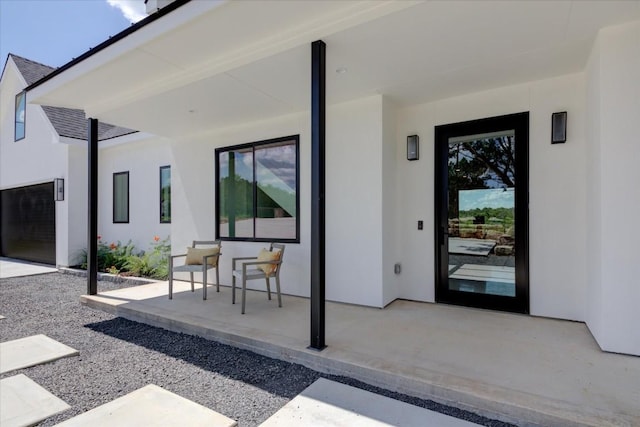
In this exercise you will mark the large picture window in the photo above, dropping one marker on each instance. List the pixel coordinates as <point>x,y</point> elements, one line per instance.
<point>121,197</point>
<point>257,195</point>
<point>21,111</point>
<point>165,194</point>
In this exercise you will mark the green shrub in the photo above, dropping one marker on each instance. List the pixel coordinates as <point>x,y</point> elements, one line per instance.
<point>117,258</point>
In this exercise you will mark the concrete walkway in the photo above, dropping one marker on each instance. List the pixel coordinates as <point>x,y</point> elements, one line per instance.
<point>24,403</point>
<point>150,406</point>
<point>31,351</point>
<point>517,368</point>
<point>330,404</point>
<point>15,268</point>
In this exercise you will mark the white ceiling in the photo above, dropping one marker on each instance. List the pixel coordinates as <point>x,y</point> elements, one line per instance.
<point>246,61</point>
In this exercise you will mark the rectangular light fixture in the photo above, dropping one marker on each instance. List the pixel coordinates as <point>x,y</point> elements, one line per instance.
<point>58,189</point>
<point>413,142</point>
<point>559,127</point>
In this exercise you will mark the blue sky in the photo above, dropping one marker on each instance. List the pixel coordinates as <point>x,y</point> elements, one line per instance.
<point>53,32</point>
<point>486,198</point>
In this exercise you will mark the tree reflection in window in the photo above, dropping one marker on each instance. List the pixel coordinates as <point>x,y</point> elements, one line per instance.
<point>257,197</point>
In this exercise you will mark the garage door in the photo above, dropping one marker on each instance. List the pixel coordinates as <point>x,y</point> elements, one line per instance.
<point>28,223</point>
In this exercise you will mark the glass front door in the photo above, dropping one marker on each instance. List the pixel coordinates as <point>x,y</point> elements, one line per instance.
<point>481,213</point>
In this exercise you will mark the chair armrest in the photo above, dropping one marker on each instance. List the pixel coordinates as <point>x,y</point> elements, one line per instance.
<point>172,257</point>
<point>245,264</point>
<point>204,260</point>
<point>233,260</point>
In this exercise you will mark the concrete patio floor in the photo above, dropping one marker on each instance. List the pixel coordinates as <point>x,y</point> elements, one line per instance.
<point>521,369</point>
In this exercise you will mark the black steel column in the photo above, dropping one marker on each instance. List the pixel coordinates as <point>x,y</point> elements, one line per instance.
<point>318,86</point>
<point>92,234</point>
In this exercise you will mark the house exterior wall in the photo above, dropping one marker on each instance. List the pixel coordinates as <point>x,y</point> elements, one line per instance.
<point>614,109</point>
<point>37,158</point>
<point>193,198</point>
<point>557,186</point>
<point>354,214</point>
<point>391,212</point>
<point>142,159</point>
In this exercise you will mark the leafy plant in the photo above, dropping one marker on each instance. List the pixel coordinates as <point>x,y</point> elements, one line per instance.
<point>117,258</point>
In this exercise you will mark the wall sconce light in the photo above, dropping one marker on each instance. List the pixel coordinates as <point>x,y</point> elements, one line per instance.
<point>559,127</point>
<point>58,189</point>
<point>412,147</point>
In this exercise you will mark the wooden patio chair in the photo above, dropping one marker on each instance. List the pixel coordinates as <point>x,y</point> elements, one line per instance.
<point>198,260</point>
<point>265,266</point>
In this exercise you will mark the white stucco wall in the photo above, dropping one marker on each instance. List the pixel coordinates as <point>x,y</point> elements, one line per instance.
<point>614,107</point>
<point>391,212</point>
<point>354,201</point>
<point>193,198</point>
<point>35,159</point>
<point>142,159</point>
<point>557,185</point>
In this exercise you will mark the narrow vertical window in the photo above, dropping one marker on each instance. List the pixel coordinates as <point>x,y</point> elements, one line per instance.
<point>21,110</point>
<point>121,197</point>
<point>165,194</point>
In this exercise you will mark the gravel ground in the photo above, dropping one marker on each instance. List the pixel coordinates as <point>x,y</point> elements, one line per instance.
<point>118,356</point>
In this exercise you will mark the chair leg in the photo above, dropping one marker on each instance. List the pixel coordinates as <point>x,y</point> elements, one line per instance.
<point>244,292</point>
<point>233,289</point>
<point>191,275</point>
<point>278,291</point>
<point>217,279</point>
<point>204,283</point>
<point>268,288</point>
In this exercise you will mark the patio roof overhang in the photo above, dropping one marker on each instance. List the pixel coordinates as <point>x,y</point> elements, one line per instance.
<point>213,64</point>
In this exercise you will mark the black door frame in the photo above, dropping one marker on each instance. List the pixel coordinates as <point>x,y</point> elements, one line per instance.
<point>519,122</point>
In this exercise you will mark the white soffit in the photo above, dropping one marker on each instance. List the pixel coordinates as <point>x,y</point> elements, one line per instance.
<point>248,60</point>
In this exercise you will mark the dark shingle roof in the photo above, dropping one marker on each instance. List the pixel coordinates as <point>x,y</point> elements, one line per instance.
<point>72,123</point>
<point>31,71</point>
<point>68,122</point>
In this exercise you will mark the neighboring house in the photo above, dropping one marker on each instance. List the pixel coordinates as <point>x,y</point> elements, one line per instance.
<point>490,214</point>
<point>41,144</point>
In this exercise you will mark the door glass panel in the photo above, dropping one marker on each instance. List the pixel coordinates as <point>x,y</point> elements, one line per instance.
<point>481,213</point>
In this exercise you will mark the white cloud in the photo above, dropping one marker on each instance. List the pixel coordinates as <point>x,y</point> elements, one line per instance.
<point>133,10</point>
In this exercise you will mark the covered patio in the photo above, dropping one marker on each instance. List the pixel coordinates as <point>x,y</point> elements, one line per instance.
<point>522,369</point>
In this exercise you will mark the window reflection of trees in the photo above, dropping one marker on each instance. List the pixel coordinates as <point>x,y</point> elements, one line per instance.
<point>478,164</point>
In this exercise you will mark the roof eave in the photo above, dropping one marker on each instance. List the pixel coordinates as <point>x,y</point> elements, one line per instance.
<point>110,41</point>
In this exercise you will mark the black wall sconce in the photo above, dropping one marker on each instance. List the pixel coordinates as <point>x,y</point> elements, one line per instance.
<point>559,127</point>
<point>58,189</point>
<point>413,142</point>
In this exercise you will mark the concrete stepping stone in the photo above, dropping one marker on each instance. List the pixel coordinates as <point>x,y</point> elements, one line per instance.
<point>24,403</point>
<point>327,403</point>
<point>150,406</point>
<point>31,351</point>
<point>17,268</point>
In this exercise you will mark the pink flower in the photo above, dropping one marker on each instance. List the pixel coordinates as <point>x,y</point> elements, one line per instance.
<point>113,246</point>
<point>156,238</point>
<point>99,237</point>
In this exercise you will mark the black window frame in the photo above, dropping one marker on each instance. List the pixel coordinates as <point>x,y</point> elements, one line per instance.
<point>115,174</point>
<point>163,168</point>
<point>253,146</point>
<point>519,122</point>
<point>15,117</point>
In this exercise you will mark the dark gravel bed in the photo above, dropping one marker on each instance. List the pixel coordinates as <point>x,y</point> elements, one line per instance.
<point>118,356</point>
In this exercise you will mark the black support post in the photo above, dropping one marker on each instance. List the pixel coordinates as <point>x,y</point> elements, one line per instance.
<point>92,199</point>
<point>318,87</point>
